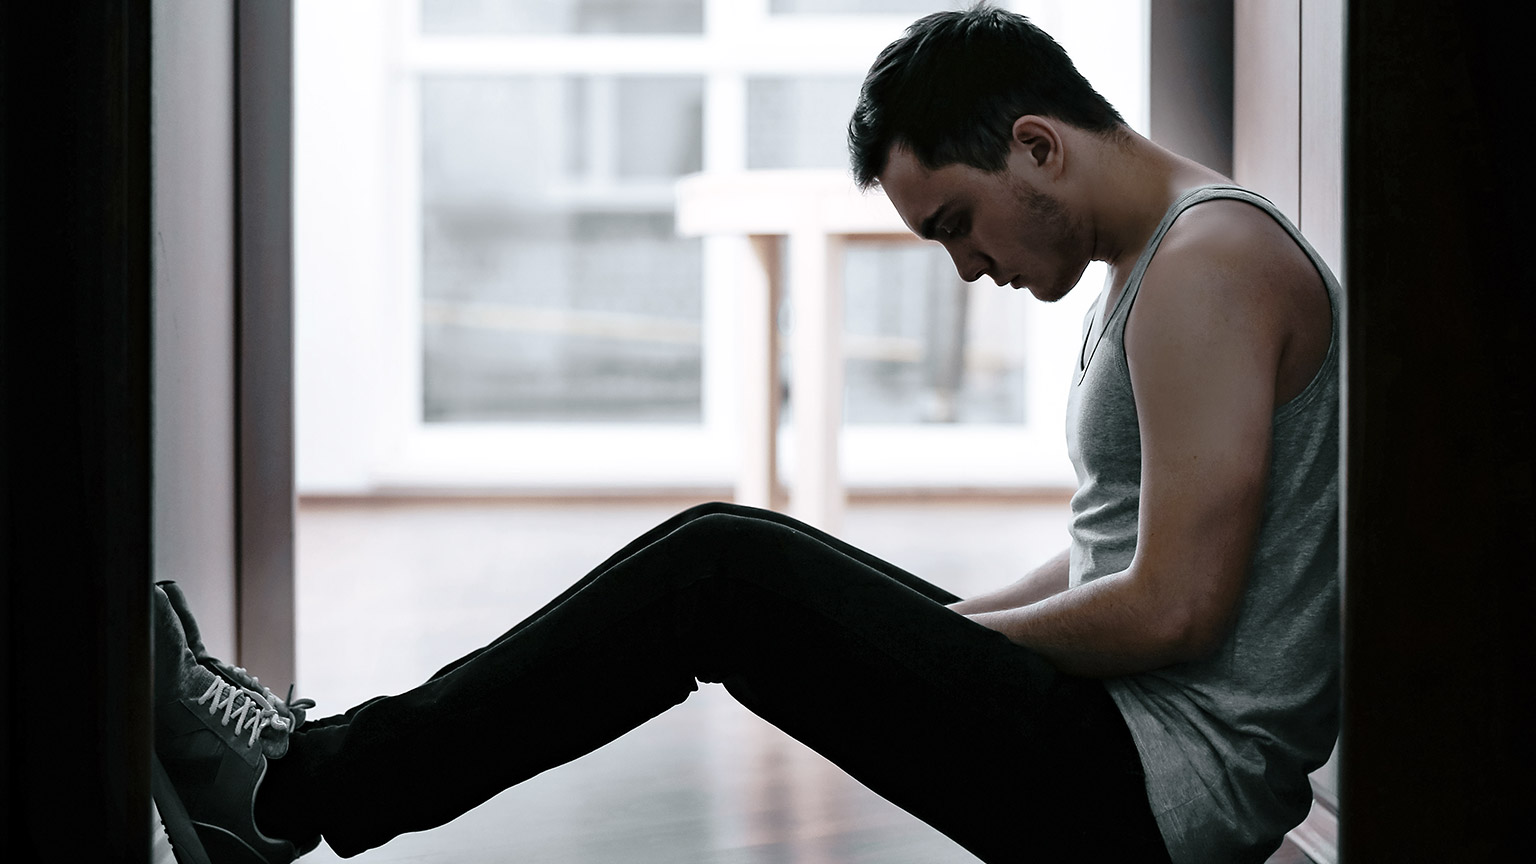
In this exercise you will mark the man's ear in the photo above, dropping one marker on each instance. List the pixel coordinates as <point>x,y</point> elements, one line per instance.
<point>1038,140</point>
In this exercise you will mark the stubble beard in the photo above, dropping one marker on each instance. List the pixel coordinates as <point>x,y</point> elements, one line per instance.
<point>1064,235</point>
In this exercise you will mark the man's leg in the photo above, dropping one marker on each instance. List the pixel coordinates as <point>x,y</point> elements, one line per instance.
<point>719,507</point>
<point>975,735</point>
<point>667,527</point>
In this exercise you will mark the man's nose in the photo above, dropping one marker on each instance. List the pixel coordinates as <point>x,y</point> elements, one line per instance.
<point>969,264</point>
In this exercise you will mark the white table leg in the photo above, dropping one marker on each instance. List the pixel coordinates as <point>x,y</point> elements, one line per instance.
<point>758,381</point>
<point>816,280</point>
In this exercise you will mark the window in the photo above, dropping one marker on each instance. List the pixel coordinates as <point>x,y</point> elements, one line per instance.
<point>491,292</point>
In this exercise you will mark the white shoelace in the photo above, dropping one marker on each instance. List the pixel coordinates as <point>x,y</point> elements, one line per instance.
<point>247,714</point>
<point>283,705</point>
<point>255,683</point>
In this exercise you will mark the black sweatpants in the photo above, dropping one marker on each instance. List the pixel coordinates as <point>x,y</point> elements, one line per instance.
<point>861,661</point>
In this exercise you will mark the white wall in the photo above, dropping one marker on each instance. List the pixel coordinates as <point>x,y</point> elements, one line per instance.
<point>194,272</point>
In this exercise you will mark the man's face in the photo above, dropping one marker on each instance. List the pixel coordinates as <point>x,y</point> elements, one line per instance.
<point>992,224</point>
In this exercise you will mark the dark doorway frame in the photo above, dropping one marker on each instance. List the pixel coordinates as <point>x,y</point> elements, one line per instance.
<point>1439,523</point>
<point>75,422</point>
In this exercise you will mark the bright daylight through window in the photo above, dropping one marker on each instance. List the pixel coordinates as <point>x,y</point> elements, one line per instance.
<point>488,260</point>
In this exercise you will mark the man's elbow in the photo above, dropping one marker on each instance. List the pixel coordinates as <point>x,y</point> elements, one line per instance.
<point>1186,616</point>
<point>1192,631</point>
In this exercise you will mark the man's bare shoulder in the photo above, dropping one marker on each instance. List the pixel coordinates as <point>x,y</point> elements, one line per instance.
<point>1231,238</point>
<point>1226,265</point>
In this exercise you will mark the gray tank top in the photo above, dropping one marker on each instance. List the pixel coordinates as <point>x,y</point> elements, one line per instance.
<point>1227,741</point>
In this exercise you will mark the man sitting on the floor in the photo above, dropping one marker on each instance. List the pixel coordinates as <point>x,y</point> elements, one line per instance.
<point>1158,691</point>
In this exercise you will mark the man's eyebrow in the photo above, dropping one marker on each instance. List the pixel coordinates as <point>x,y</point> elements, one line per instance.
<point>929,229</point>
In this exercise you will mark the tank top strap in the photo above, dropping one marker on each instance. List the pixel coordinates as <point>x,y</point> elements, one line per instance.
<point>1116,316</point>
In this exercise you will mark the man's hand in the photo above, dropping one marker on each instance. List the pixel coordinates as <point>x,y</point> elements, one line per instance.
<point>1044,581</point>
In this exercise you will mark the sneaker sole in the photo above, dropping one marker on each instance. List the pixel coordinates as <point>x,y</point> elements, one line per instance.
<point>190,839</point>
<point>179,828</point>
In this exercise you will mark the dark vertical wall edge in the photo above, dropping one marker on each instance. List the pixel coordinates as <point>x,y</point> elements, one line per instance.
<point>8,559</point>
<point>264,334</point>
<point>75,478</point>
<point>1191,79</point>
<point>1439,515</point>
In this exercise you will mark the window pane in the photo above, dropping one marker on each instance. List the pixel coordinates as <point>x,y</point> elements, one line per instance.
<point>511,17</point>
<point>554,285</point>
<point>799,122</point>
<point>923,347</point>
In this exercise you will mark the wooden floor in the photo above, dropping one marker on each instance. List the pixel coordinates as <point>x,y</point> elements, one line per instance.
<point>389,591</point>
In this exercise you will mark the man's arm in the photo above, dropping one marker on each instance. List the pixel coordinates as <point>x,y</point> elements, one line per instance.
<point>1044,581</point>
<point>1204,346</point>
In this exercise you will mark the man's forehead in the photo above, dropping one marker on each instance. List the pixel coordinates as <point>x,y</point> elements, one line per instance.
<point>911,188</point>
<point>901,166</point>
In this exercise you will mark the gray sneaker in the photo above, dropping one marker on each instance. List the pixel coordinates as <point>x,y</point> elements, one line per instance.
<point>213,739</point>
<point>291,710</point>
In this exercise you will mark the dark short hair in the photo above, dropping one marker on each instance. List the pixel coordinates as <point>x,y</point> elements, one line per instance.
<point>951,87</point>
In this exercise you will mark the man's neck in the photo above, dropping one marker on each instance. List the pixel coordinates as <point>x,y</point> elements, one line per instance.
<point>1130,184</point>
